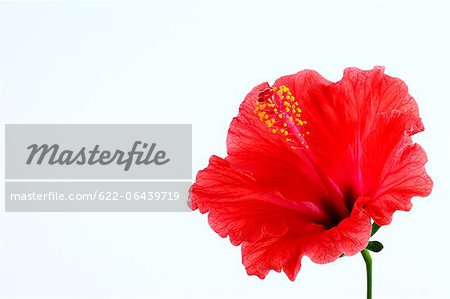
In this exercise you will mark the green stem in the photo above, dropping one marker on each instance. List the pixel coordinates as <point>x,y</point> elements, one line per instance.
<point>368,259</point>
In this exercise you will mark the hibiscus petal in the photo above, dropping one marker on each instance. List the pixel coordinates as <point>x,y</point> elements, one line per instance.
<point>254,148</point>
<point>349,237</point>
<point>243,209</point>
<point>344,115</point>
<point>273,253</point>
<point>275,232</point>
<point>269,158</point>
<point>332,135</point>
<point>385,116</point>
<point>321,245</point>
<point>393,168</point>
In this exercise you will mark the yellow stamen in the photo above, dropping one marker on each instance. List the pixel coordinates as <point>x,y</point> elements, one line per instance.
<point>279,110</point>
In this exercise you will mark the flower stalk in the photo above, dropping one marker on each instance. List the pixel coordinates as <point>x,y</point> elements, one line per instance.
<point>368,260</point>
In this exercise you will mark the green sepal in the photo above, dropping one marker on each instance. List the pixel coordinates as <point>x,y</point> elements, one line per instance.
<point>375,246</point>
<point>375,228</point>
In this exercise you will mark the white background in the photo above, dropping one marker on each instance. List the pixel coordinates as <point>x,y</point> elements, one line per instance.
<point>193,62</point>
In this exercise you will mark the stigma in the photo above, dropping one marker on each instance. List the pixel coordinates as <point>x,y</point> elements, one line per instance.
<point>280,111</point>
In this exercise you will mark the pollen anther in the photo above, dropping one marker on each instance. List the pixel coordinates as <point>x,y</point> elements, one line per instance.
<point>279,110</point>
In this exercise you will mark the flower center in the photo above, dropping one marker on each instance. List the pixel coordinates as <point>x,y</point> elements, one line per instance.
<point>280,111</point>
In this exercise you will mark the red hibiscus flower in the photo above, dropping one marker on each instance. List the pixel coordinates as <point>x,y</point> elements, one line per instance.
<point>310,165</point>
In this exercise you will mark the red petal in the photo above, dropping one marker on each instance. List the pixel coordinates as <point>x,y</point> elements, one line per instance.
<point>322,246</point>
<point>268,157</point>
<point>242,208</point>
<point>346,132</point>
<point>275,232</point>
<point>273,253</point>
<point>393,168</point>
<point>349,237</point>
